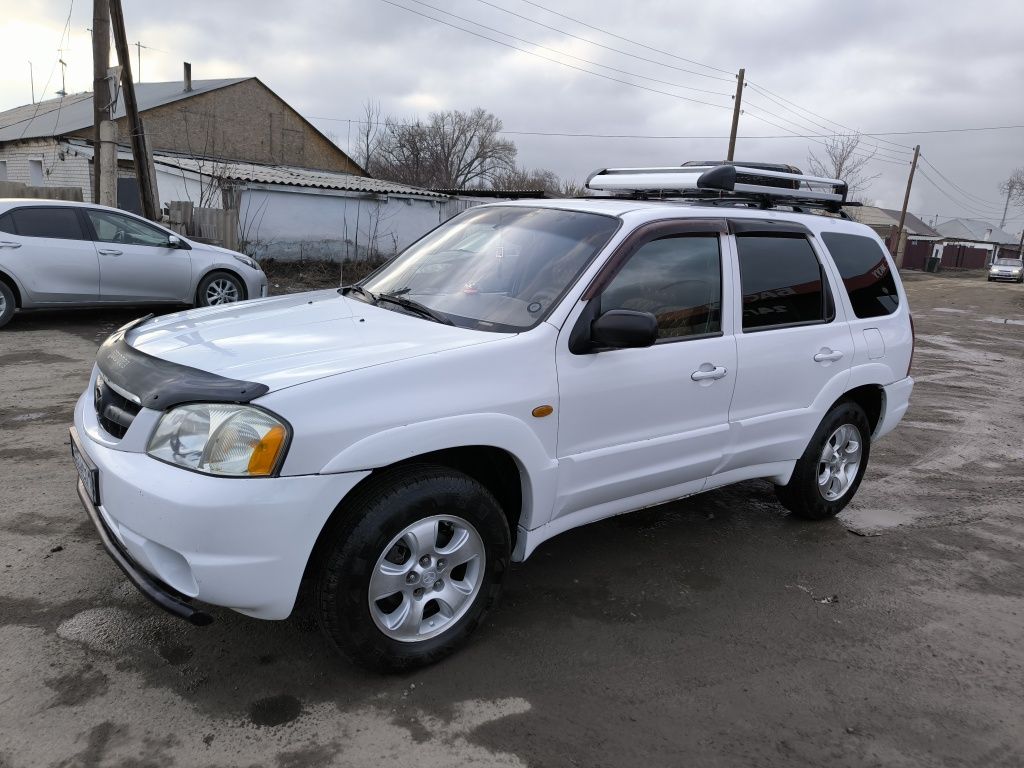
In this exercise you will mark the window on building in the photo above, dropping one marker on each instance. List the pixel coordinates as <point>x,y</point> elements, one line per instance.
<point>865,272</point>
<point>678,280</point>
<point>35,173</point>
<point>60,223</point>
<point>782,282</point>
<point>3,170</point>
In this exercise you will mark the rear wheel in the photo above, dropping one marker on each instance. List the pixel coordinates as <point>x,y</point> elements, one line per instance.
<point>830,471</point>
<point>411,567</point>
<point>220,288</point>
<point>7,305</point>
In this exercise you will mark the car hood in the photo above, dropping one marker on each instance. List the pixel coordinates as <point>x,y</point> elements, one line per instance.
<point>288,340</point>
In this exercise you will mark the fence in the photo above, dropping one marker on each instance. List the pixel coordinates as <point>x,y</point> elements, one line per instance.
<point>20,189</point>
<point>217,226</point>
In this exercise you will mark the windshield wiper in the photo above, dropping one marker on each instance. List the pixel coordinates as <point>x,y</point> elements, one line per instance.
<point>420,309</point>
<point>356,288</point>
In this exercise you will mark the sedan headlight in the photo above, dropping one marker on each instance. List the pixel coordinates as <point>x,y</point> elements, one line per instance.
<point>252,263</point>
<point>221,439</point>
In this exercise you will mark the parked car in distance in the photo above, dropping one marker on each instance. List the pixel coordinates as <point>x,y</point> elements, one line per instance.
<point>524,369</point>
<point>1007,269</point>
<point>56,254</point>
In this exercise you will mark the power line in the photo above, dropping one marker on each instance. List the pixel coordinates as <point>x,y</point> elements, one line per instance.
<point>960,203</point>
<point>962,191</point>
<point>628,40</point>
<point>609,48</point>
<point>555,61</point>
<point>569,55</point>
<point>60,45</point>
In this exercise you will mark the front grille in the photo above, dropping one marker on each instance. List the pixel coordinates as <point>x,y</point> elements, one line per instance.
<point>114,411</point>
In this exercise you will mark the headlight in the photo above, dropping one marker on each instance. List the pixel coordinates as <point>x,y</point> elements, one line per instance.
<point>221,439</point>
<point>246,260</point>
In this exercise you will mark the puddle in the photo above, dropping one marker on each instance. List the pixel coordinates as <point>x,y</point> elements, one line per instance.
<point>873,521</point>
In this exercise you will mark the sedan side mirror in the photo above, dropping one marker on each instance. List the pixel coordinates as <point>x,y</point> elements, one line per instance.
<point>173,241</point>
<point>624,328</point>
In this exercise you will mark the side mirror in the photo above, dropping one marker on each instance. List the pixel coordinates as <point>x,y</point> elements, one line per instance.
<point>624,328</point>
<point>173,241</point>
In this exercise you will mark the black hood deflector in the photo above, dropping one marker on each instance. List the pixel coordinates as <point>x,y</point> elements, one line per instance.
<point>160,384</point>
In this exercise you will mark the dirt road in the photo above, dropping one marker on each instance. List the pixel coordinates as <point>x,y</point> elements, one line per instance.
<point>711,632</point>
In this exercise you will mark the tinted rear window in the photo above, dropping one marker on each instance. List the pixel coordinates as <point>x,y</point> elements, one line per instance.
<point>61,223</point>
<point>781,281</point>
<point>7,224</point>
<point>865,272</point>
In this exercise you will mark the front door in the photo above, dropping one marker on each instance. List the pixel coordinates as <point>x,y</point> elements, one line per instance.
<point>135,261</point>
<point>641,426</point>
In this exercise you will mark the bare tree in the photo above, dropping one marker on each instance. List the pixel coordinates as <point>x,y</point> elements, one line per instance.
<point>842,161</point>
<point>451,150</point>
<point>369,135</point>
<point>539,179</point>
<point>1013,190</point>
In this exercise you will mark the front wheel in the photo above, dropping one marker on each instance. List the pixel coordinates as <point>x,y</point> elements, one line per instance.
<point>828,474</point>
<point>219,288</point>
<point>411,567</point>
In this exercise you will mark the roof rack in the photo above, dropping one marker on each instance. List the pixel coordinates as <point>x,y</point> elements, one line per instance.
<point>718,181</point>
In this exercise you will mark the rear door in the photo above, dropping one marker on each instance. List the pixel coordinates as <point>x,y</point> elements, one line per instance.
<point>794,346</point>
<point>48,251</point>
<point>135,261</point>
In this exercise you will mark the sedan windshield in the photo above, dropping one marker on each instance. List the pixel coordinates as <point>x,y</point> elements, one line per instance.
<point>1008,262</point>
<point>494,269</point>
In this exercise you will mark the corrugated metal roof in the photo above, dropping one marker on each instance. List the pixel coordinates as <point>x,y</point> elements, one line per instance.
<point>57,117</point>
<point>292,176</point>
<point>975,230</point>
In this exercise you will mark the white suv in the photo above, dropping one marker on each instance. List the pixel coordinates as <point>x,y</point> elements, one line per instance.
<point>522,370</point>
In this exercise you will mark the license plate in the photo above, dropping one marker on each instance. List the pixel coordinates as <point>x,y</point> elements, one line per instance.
<point>87,473</point>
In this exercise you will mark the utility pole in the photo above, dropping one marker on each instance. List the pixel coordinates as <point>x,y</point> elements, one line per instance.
<point>147,188</point>
<point>1009,193</point>
<point>897,251</point>
<point>100,91</point>
<point>737,101</point>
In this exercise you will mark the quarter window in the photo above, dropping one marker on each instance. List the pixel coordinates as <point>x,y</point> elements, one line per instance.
<point>116,228</point>
<point>678,280</point>
<point>782,282</point>
<point>865,272</point>
<point>59,223</point>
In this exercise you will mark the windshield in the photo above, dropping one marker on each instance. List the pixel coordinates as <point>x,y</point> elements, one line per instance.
<point>494,269</point>
<point>1008,262</point>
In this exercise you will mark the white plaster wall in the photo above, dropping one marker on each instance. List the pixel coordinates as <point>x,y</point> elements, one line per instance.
<point>290,225</point>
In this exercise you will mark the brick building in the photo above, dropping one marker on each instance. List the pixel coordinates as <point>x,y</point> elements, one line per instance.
<point>49,143</point>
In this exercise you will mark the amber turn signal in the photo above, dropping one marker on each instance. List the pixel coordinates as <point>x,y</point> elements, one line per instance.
<point>543,410</point>
<point>264,455</point>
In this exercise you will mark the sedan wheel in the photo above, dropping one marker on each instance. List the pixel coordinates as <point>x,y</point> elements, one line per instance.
<point>220,288</point>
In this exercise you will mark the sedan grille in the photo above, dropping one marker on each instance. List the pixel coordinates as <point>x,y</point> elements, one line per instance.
<point>114,411</point>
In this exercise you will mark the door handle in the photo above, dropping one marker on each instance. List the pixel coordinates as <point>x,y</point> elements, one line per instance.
<point>9,244</point>
<point>828,356</point>
<point>703,374</point>
<point>110,252</point>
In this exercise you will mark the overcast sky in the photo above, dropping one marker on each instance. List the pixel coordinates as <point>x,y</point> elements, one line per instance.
<point>871,65</point>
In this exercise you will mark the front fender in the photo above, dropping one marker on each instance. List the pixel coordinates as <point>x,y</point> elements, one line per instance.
<point>537,469</point>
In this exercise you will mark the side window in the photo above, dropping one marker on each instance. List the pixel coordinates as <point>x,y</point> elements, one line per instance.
<point>865,272</point>
<point>7,224</point>
<point>116,228</point>
<point>60,223</point>
<point>678,280</point>
<point>782,282</point>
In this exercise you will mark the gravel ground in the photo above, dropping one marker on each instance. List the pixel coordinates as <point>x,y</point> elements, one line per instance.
<point>715,631</point>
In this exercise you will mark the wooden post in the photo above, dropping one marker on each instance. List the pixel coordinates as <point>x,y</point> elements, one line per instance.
<point>143,164</point>
<point>106,158</point>
<point>100,91</point>
<point>736,114</point>
<point>898,253</point>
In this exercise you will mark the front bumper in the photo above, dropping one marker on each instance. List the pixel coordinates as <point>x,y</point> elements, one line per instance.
<point>241,543</point>
<point>1003,276</point>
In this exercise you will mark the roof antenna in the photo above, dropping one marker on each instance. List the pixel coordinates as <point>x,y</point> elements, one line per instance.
<point>63,69</point>
<point>32,80</point>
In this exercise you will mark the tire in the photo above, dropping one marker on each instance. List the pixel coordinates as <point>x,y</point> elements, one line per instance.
<point>219,288</point>
<point>804,495</point>
<point>7,304</point>
<point>373,543</point>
